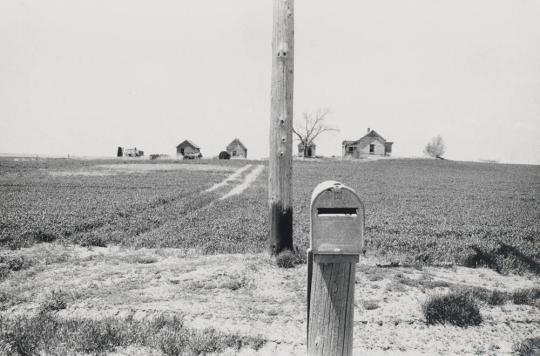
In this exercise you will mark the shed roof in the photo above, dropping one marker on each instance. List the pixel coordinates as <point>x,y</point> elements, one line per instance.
<point>236,142</point>
<point>187,143</point>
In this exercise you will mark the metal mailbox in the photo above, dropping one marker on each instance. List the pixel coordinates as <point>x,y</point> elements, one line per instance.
<point>337,220</point>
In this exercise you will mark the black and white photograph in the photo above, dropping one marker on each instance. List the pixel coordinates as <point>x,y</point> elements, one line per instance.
<point>269,177</point>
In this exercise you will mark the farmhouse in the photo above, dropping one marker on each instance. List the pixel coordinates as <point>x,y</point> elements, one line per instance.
<point>237,149</point>
<point>188,150</point>
<point>371,144</point>
<point>308,151</point>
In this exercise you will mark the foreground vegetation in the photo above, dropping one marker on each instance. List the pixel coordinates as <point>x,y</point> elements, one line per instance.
<point>417,211</point>
<point>65,299</point>
<point>46,333</point>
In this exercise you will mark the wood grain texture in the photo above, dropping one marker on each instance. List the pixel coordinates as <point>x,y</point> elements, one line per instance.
<point>281,120</point>
<point>331,309</point>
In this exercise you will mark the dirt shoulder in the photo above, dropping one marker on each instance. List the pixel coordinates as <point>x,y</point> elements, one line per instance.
<point>249,295</point>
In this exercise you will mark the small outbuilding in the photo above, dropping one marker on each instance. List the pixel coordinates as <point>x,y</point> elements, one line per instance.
<point>306,151</point>
<point>237,149</point>
<point>370,144</point>
<point>188,150</point>
<point>133,152</point>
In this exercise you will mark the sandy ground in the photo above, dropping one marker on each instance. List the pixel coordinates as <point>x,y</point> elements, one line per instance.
<point>248,294</point>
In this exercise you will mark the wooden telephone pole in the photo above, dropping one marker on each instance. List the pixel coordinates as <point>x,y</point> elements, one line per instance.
<point>281,124</point>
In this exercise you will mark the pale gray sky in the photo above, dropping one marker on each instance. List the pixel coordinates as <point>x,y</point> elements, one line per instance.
<point>85,76</point>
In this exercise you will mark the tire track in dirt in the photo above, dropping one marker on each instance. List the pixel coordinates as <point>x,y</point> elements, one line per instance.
<point>248,179</point>
<point>211,196</point>
<point>236,174</point>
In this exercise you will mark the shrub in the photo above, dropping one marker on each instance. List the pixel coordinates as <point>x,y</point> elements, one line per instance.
<point>456,308</point>
<point>95,336</point>
<point>527,347</point>
<point>286,259</point>
<point>233,284</point>
<point>370,305</point>
<point>496,297</point>
<point>172,341</point>
<point>206,341</point>
<point>142,259</point>
<point>43,236</point>
<point>526,296</point>
<point>289,259</point>
<point>491,297</point>
<point>92,240</point>
<point>13,263</point>
<point>55,301</point>
<point>224,155</point>
<point>7,300</point>
<point>164,320</point>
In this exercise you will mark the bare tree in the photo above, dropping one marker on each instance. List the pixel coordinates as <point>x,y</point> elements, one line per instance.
<point>311,127</point>
<point>435,148</point>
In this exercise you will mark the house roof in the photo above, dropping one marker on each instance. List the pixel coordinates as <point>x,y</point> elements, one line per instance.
<point>238,142</point>
<point>371,133</point>
<point>312,144</point>
<point>187,143</point>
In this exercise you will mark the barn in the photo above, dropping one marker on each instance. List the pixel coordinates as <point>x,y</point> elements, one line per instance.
<point>371,144</point>
<point>237,149</point>
<point>188,150</point>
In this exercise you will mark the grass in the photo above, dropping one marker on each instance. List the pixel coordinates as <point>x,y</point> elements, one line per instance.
<point>8,300</point>
<point>527,347</point>
<point>491,297</point>
<point>456,308</point>
<point>417,211</point>
<point>530,296</point>
<point>46,333</point>
<point>524,296</point>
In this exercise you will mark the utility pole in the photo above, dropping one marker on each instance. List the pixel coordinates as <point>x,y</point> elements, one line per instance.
<point>281,124</point>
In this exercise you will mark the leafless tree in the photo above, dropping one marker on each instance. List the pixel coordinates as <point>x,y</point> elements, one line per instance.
<point>310,127</point>
<point>435,148</point>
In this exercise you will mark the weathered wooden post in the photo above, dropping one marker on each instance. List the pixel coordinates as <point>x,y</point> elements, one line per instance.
<point>281,117</point>
<point>337,238</point>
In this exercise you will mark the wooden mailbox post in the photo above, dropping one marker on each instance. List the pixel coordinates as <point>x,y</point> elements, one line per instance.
<point>337,238</point>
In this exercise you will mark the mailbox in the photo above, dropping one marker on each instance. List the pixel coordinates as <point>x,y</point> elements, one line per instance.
<point>337,240</point>
<point>337,220</point>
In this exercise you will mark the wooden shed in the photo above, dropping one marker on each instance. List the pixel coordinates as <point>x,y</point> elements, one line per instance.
<point>370,144</point>
<point>237,149</point>
<point>308,152</point>
<point>188,150</point>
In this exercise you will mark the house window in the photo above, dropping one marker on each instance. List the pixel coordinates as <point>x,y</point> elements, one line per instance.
<point>234,153</point>
<point>372,148</point>
<point>350,149</point>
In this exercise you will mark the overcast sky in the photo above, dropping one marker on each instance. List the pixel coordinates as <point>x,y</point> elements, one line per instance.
<point>82,77</point>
